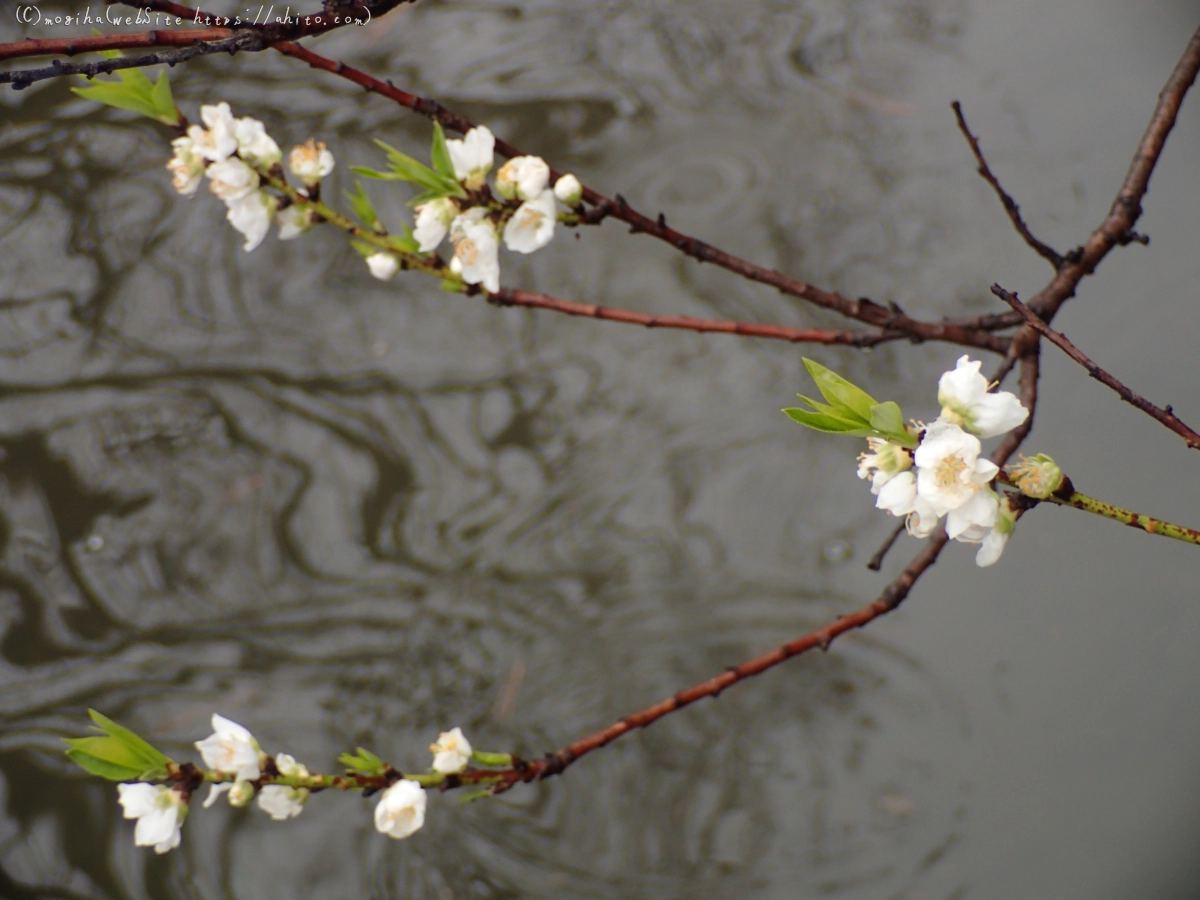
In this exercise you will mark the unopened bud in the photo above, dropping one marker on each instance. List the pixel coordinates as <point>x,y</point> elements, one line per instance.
<point>1037,476</point>
<point>241,793</point>
<point>568,190</point>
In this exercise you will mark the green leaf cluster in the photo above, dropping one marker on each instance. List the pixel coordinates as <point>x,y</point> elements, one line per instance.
<point>118,755</point>
<point>849,410</point>
<point>364,210</point>
<point>134,91</point>
<point>363,762</point>
<point>437,182</point>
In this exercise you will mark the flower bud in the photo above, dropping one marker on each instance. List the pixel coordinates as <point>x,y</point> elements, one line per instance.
<point>568,190</point>
<point>241,793</point>
<point>383,265</point>
<point>1038,477</point>
<point>523,177</point>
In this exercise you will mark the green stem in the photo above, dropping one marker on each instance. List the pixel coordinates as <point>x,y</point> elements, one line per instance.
<point>1127,517</point>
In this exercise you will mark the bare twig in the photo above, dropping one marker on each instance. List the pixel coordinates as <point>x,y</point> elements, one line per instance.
<point>514,297</point>
<point>1043,249</point>
<point>603,207</point>
<point>1117,226</point>
<point>876,562</point>
<point>22,78</point>
<point>183,37</point>
<point>1165,416</point>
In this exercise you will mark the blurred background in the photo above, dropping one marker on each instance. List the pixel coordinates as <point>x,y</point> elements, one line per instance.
<point>341,511</point>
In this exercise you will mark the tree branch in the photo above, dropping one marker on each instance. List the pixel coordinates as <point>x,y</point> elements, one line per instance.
<point>74,45</point>
<point>1165,416</point>
<point>514,297</point>
<point>23,78</point>
<point>1117,227</point>
<point>862,310</point>
<point>1042,249</point>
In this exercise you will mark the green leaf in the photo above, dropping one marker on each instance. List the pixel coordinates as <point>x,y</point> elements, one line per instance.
<point>827,423</point>
<point>363,761</point>
<point>364,210</point>
<point>440,154</point>
<point>137,745</point>
<point>848,398</point>
<point>164,103</point>
<point>95,765</point>
<point>426,196</point>
<point>888,421</point>
<point>406,241</point>
<point>405,168</point>
<point>374,173</point>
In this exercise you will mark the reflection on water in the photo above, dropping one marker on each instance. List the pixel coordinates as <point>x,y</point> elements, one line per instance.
<point>343,512</point>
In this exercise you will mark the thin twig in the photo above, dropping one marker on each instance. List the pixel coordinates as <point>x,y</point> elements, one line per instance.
<point>1127,207</point>
<point>1165,416</point>
<point>23,78</point>
<point>876,562</point>
<point>1043,249</point>
<point>183,37</point>
<point>603,207</point>
<point>514,297</point>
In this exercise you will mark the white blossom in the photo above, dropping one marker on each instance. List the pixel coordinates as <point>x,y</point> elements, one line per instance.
<point>568,190</point>
<point>254,144</point>
<point>293,221</point>
<point>884,461</point>
<point>973,521</point>
<point>251,215</point>
<point>433,221</point>
<point>532,225</point>
<point>218,140</point>
<point>230,749</point>
<point>383,265</point>
<point>287,765</point>
<point>160,812</point>
<point>451,753</point>
<point>472,156</point>
<point>311,161</point>
<point>186,166</point>
<point>476,252</point>
<point>963,393</point>
<point>899,496</point>
<point>231,179</point>
<point>991,547</point>
<point>954,481</point>
<point>281,802</point>
<point>522,176</point>
<point>401,809</point>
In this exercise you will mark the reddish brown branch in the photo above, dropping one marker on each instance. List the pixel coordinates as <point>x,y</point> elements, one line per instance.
<point>603,207</point>
<point>1117,227</point>
<point>1164,416</point>
<point>96,43</point>
<point>513,297</point>
<point>1043,249</point>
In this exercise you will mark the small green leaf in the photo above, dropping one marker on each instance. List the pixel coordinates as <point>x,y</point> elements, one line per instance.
<point>144,751</point>
<point>888,421</point>
<point>94,765</point>
<point>841,393</point>
<point>366,172</point>
<point>164,103</point>
<point>426,196</point>
<point>406,242</point>
<point>122,96</point>
<point>827,423</point>
<point>363,761</point>
<point>405,168</point>
<point>440,153</point>
<point>364,249</point>
<point>364,210</point>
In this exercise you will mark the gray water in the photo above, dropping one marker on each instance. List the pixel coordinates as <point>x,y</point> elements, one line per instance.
<point>346,512</point>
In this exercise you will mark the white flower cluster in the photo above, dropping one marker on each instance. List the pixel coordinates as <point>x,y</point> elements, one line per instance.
<point>230,152</point>
<point>476,231</point>
<point>945,475</point>
<point>232,752</point>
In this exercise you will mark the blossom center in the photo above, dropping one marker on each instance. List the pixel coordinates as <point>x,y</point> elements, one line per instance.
<point>531,218</point>
<point>466,251</point>
<point>948,470</point>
